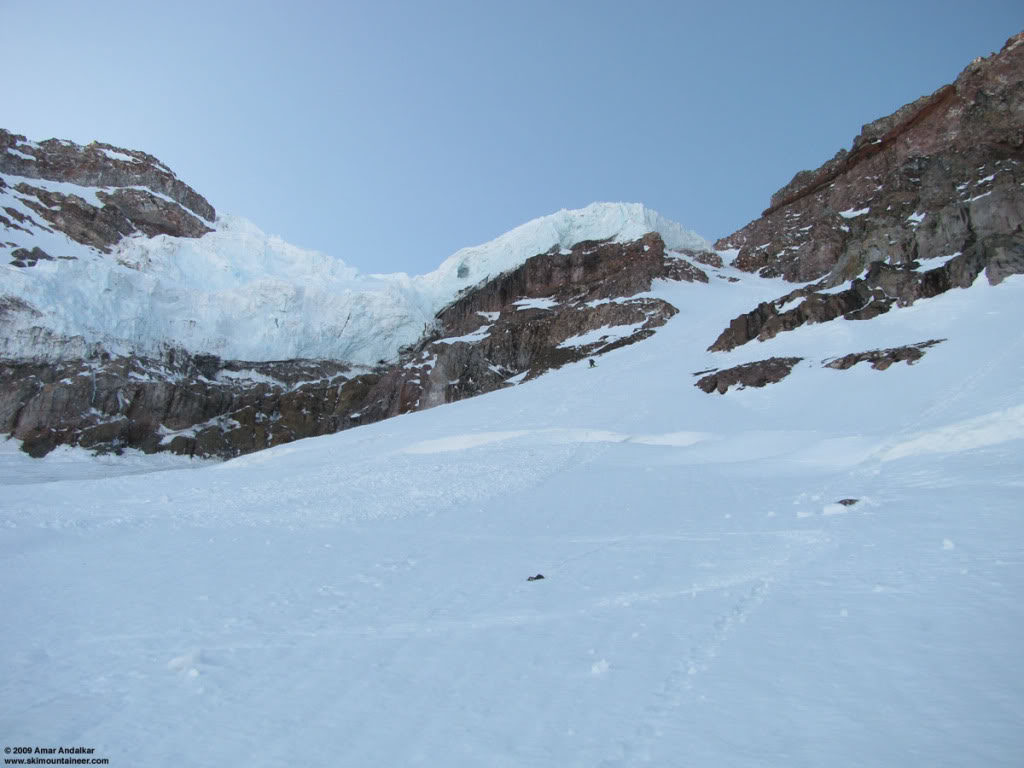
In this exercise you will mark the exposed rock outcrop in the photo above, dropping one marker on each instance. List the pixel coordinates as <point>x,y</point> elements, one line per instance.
<point>557,308</point>
<point>23,257</point>
<point>926,200</point>
<point>775,369</point>
<point>881,359</point>
<point>882,287</point>
<point>757,374</point>
<point>129,192</point>
<point>938,176</point>
<point>192,405</point>
<point>96,165</point>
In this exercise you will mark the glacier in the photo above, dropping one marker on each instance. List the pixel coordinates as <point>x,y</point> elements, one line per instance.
<point>242,294</point>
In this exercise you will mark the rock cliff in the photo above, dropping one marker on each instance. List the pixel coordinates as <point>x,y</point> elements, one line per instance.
<point>558,307</point>
<point>136,193</point>
<point>925,200</point>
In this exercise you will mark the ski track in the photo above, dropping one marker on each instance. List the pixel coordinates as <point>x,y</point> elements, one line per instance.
<point>682,679</point>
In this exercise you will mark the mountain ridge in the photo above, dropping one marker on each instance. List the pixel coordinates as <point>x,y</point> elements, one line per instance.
<point>927,199</point>
<point>230,289</point>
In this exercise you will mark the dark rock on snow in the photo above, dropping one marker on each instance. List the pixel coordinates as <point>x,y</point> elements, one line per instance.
<point>881,359</point>
<point>145,195</point>
<point>758,374</point>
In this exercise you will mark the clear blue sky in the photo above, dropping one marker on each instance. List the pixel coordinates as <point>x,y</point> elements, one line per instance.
<point>391,134</point>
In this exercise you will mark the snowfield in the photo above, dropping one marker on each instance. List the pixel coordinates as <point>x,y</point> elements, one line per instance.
<point>361,599</point>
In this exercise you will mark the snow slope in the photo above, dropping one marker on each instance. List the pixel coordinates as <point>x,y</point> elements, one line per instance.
<point>241,294</point>
<point>361,599</point>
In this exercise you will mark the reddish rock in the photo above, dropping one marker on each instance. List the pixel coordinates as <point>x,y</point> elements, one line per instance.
<point>882,287</point>
<point>938,175</point>
<point>501,338</point>
<point>140,194</point>
<point>97,165</point>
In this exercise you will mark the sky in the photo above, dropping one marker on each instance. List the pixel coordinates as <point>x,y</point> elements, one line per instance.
<point>392,134</point>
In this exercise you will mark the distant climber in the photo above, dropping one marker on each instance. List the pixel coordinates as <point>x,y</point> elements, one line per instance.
<point>592,363</point>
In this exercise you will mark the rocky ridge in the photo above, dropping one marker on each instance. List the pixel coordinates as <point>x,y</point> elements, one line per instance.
<point>558,307</point>
<point>136,193</point>
<point>925,200</point>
